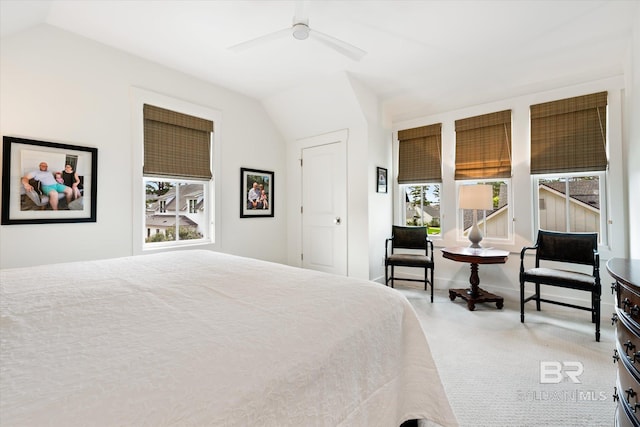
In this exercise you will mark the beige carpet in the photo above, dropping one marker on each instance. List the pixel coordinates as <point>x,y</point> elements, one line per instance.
<point>490,363</point>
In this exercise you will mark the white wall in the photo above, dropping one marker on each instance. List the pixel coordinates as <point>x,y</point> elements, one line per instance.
<point>379,148</point>
<point>318,109</point>
<point>56,86</point>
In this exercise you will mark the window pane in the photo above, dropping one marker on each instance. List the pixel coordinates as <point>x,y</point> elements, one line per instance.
<point>190,211</point>
<point>497,220</point>
<point>174,211</point>
<point>569,204</point>
<point>492,223</point>
<point>160,222</point>
<point>422,206</point>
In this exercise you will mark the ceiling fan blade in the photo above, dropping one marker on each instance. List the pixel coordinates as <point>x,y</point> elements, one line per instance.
<point>285,32</point>
<point>343,47</point>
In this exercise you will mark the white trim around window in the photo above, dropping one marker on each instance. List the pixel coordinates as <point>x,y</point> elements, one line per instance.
<point>139,97</point>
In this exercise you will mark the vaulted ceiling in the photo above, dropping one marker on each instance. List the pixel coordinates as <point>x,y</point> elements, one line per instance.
<point>422,57</point>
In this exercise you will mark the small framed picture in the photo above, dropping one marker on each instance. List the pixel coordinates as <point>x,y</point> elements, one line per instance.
<point>46,182</point>
<point>381,173</point>
<point>256,193</point>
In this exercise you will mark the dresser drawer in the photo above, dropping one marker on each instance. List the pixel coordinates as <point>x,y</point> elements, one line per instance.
<point>628,343</point>
<point>628,301</point>
<point>626,273</point>
<point>627,391</point>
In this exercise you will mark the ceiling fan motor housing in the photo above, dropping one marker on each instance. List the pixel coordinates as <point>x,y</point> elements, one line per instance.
<point>300,31</point>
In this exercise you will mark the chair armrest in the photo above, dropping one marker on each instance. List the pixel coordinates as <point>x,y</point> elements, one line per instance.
<point>429,246</point>
<point>522,253</point>
<point>386,247</point>
<point>525,249</point>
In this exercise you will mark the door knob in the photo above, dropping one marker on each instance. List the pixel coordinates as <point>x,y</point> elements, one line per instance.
<point>337,221</point>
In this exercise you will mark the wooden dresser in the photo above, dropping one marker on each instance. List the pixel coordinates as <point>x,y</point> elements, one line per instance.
<point>626,273</point>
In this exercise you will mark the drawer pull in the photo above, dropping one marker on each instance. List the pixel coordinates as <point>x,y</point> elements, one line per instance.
<point>625,303</point>
<point>616,357</point>
<point>635,310</point>
<point>629,346</point>
<point>630,393</point>
<point>614,319</point>
<point>614,287</point>
<point>615,394</point>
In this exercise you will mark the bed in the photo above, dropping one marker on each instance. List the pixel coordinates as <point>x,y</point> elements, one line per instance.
<point>200,338</point>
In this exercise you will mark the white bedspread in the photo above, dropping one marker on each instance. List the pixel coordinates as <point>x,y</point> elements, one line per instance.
<point>198,338</point>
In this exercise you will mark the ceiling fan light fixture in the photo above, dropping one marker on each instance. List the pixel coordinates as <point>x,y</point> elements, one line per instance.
<point>300,31</point>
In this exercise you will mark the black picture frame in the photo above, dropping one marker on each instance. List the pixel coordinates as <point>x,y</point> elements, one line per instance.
<point>22,157</point>
<point>263,181</point>
<point>381,180</point>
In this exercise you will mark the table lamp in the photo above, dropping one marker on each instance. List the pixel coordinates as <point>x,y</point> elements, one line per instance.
<point>474,197</point>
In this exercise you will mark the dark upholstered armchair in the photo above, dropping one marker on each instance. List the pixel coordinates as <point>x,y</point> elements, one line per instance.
<point>568,248</point>
<point>409,247</point>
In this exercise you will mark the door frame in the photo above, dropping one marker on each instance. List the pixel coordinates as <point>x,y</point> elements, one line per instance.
<point>294,189</point>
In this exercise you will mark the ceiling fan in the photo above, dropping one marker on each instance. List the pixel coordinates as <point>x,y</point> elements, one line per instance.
<point>300,30</point>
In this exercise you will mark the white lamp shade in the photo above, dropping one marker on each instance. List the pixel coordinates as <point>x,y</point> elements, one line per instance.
<point>477,196</point>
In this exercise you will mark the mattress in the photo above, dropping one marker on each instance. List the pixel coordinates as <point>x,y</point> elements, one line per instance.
<point>200,338</point>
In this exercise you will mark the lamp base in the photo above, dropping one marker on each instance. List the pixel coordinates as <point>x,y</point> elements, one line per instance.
<point>475,236</point>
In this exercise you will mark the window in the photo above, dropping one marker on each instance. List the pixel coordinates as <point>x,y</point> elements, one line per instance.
<point>421,206</point>
<point>420,176</point>
<point>176,178</point>
<point>173,212</point>
<point>483,156</point>
<point>496,223</point>
<point>570,202</point>
<point>569,163</point>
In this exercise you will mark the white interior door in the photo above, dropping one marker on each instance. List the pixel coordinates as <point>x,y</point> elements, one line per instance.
<point>324,208</point>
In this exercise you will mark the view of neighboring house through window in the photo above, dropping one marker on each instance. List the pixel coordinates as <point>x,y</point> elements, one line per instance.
<point>420,176</point>
<point>569,203</point>
<point>175,211</point>
<point>176,177</point>
<point>569,164</point>
<point>494,223</point>
<point>421,206</point>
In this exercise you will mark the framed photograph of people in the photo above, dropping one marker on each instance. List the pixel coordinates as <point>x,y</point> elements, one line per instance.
<point>47,182</point>
<point>381,174</point>
<point>256,193</point>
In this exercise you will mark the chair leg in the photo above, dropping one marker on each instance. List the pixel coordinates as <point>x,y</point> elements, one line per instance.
<point>386,275</point>
<point>538,296</point>
<point>597,314</point>
<point>521,301</point>
<point>392,275</point>
<point>432,286</point>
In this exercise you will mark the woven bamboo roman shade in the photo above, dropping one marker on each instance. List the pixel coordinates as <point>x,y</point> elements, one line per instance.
<point>420,155</point>
<point>176,144</point>
<point>483,146</point>
<point>569,135</point>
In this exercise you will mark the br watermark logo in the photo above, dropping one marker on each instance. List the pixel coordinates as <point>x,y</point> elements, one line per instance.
<point>556,372</point>
<point>553,372</point>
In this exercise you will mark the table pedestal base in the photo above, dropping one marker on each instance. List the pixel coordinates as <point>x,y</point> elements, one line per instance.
<point>474,294</point>
<point>480,296</point>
